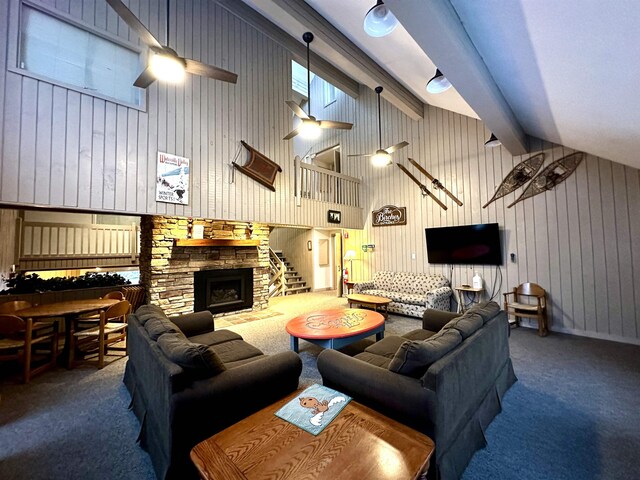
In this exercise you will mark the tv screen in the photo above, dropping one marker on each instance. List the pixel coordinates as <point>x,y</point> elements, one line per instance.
<point>465,244</point>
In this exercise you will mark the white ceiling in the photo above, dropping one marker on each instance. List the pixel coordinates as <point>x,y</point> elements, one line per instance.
<point>565,71</point>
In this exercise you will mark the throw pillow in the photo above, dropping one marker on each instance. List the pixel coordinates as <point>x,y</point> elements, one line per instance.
<point>467,324</point>
<point>158,326</point>
<point>486,310</point>
<point>195,357</point>
<point>147,312</point>
<point>413,358</point>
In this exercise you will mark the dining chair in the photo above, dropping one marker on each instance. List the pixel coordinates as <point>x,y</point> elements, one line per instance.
<point>134,294</point>
<point>16,305</point>
<point>111,328</point>
<point>528,300</point>
<point>19,341</point>
<point>89,320</point>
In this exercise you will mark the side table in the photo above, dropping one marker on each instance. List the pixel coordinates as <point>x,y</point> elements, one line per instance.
<point>461,289</point>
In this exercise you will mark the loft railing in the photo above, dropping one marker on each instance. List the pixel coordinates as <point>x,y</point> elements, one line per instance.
<point>277,270</point>
<point>322,185</point>
<point>56,241</point>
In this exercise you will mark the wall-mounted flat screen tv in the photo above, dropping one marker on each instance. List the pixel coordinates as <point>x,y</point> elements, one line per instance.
<point>464,244</point>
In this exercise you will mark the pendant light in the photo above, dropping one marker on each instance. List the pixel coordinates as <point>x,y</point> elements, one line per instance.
<point>379,21</point>
<point>438,83</point>
<point>492,142</point>
<point>381,158</point>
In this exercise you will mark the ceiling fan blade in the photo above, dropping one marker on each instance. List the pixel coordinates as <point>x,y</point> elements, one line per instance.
<point>292,134</point>
<point>295,108</point>
<point>145,79</point>
<point>361,155</point>
<point>204,70</point>
<point>337,125</point>
<point>134,24</point>
<point>396,147</point>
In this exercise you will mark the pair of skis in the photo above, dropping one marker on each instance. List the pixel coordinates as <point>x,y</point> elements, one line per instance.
<point>434,181</point>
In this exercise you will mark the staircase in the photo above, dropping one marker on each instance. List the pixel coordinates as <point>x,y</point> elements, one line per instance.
<point>285,280</point>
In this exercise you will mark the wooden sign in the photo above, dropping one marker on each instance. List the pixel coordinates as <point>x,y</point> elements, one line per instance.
<point>389,215</point>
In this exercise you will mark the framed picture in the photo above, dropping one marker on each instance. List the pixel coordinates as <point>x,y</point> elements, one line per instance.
<point>172,179</point>
<point>334,216</point>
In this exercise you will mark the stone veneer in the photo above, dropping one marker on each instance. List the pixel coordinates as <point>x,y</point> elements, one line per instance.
<point>166,270</point>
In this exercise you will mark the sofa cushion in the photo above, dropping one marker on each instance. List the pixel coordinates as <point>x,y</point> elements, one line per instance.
<point>384,280</point>
<point>373,359</point>
<point>194,357</point>
<point>486,310</point>
<point>418,334</point>
<point>235,350</point>
<point>467,324</point>
<point>159,326</point>
<point>214,338</point>
<point>409,298</point>
<point>413,358</point>
<point>146,312</point>
<point>387,347</point>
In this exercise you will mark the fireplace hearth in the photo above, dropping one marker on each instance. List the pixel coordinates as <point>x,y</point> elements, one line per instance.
<point>222,291</point>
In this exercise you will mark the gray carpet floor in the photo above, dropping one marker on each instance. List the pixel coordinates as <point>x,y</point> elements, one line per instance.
<point>573,414</point>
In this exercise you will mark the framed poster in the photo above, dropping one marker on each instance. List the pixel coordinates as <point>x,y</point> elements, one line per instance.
<point>172,179</point>
<point>334,216</point>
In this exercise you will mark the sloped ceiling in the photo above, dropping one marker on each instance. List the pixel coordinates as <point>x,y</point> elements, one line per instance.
<point>564,71</point>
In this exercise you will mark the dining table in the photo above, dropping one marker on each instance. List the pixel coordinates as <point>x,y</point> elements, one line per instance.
<point>68,310</point>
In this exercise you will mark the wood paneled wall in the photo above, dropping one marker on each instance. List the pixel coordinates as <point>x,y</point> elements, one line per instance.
<point>63,148</point>
<point>580,241</point>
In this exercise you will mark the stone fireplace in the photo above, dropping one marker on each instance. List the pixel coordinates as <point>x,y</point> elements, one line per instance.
<point>172,268</point>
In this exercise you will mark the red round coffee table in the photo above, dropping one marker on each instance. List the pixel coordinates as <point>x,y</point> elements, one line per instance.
<point>335,328</point>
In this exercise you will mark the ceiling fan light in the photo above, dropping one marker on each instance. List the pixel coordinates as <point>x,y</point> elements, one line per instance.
<point>309,129</point>
<point>381,159</point>
<point>379,21</point>
<point>438,83</point>
<point>492,142</point>
<point>167,68</point>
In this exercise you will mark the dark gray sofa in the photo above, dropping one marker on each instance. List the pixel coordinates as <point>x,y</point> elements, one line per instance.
<point>453,399</point>
<point>179,406</point>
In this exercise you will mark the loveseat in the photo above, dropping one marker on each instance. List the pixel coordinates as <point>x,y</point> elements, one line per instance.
<point>446,380</point>
<point>188,381</point>
<point>410,293</point>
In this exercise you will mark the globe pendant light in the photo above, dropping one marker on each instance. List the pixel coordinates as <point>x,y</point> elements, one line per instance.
<point>492,142</point>
<point>438,83</point>
<point>381,158</point>
<point>379,21</point>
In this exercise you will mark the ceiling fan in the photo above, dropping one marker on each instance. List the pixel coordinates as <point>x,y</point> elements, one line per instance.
<point>164,63</point>
<point>382,157</point>
<point>310,127</point>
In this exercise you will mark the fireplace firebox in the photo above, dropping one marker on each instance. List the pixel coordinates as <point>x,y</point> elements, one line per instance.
<point>223,290</point>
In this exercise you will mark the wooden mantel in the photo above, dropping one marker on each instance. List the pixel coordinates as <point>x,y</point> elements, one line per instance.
<point>215,242</point>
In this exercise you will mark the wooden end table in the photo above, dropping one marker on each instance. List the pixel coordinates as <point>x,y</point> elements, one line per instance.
<point>335,328</point>
<point>370,301</point>
<point>358,443</point>
<point>466,288</point>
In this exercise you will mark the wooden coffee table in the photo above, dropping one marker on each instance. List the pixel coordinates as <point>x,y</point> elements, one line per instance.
<point>335,328</point>
<point>370,301</point>
<point>358,443</point>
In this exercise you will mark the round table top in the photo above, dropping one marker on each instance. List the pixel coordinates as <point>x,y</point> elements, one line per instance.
<point>338,323</point>
<point>60,309</point>
<point>369,299</point>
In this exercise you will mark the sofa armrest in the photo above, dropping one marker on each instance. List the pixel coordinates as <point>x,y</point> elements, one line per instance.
<point>401,397</point>
<point>434,320</point>
<point>192,324</point>
<point>360,287</point>
<point>439,298</point>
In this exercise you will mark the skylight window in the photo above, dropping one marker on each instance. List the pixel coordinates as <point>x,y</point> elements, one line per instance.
<point>299,78</point>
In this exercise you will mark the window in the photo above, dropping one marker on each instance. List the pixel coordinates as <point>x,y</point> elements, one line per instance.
<point>53,48</point>
<point>299,78</point>
<point>328,93</point>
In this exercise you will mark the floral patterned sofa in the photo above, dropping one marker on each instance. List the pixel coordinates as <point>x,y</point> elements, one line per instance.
<point>410,293</point>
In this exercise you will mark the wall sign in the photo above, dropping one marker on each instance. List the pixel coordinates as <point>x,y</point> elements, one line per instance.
<point>334,216</point>
<point>389,215</point>
<point>172,179</point>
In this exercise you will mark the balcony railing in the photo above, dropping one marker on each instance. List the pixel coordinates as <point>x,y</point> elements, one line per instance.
<point>322,185</point>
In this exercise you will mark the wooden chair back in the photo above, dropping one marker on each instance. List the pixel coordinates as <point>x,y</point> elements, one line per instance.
<point>12,325</point>
<point>116,295</point>
<point>14,306</point>
<point>134,295</point>
<point>118,310</point>
<point>530,289</point>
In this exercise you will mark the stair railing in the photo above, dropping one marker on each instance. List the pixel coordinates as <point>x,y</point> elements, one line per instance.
<point>277,269</point>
